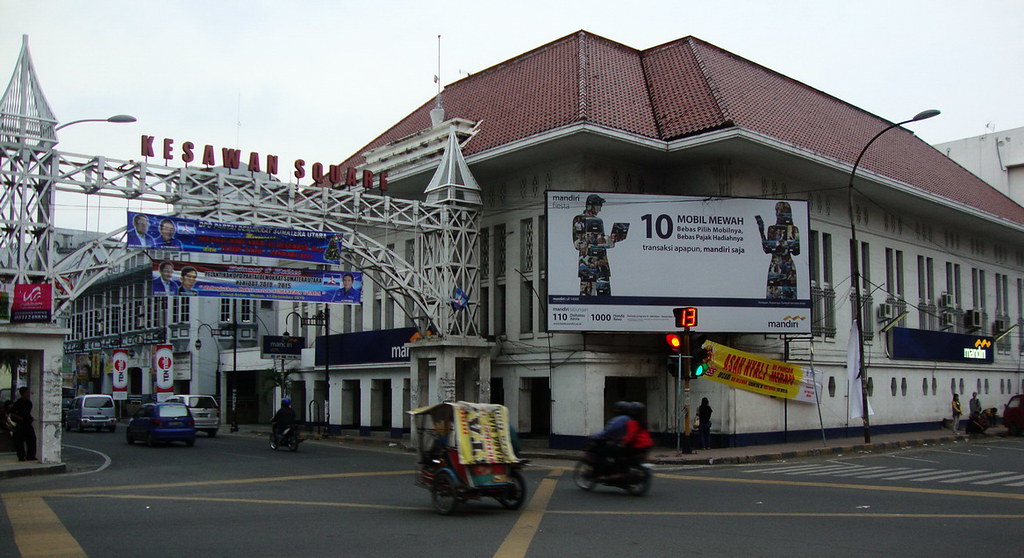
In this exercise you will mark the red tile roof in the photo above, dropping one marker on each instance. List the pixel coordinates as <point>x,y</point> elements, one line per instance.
<point>680,89</point>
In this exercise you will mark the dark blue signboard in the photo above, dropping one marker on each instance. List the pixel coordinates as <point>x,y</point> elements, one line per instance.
<point>278,346</point>
<point>387,345</point>
<point>920,344</point>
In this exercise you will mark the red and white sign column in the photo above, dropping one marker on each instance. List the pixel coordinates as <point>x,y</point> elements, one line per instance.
<point>163,361</point>
<point>119,361</point>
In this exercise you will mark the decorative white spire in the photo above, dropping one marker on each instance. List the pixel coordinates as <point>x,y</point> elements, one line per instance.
<point>24,112</point>
<point>453,182</point>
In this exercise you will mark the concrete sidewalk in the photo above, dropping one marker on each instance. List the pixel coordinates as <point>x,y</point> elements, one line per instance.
<point>534,449</point>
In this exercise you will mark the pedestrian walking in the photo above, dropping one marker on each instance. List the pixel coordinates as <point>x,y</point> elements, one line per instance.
<point>957,411</point>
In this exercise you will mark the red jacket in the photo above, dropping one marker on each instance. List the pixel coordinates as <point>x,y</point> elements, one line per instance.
<point>637,437</point>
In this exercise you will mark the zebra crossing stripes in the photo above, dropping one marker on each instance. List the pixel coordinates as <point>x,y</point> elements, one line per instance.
<point>885,473</point>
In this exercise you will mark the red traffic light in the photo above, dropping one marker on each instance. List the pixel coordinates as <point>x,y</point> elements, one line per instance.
<point>674,342</point>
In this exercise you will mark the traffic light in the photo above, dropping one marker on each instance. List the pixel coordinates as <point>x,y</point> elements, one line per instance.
<point>700,362</point>
<point>674,342</point>
<point>700,357</point>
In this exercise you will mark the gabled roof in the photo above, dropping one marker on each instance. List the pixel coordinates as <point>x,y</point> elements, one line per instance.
<point>680,89</point>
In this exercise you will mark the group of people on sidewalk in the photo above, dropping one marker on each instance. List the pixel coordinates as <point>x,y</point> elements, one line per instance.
<point>16,423</point>
<point>978,421</point>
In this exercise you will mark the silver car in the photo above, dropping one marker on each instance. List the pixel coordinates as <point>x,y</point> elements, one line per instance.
<point>204,409</point>
<point>94,410</point>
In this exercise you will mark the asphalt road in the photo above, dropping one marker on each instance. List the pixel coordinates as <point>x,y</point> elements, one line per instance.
<point>233,496</point>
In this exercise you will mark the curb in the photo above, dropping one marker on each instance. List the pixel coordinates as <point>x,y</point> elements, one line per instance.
<point>34,470</point>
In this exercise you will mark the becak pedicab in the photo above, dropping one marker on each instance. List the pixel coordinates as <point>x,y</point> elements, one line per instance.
<point>466,453</point>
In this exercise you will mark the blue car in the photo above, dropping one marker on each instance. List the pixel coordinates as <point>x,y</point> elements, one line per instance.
<point>162,422</point>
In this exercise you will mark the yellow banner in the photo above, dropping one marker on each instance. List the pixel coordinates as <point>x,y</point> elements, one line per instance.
<point>483,433</point>
<point>747,371</point>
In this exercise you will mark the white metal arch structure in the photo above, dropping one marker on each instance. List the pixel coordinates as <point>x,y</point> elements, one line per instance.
<point>217,196</point>
<point>32,172</point>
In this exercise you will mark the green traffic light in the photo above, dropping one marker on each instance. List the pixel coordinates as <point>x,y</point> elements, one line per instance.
<point>699,370</point>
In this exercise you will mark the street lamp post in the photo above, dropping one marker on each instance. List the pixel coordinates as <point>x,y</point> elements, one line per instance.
<point>858,309</point>
<point>116,119</point>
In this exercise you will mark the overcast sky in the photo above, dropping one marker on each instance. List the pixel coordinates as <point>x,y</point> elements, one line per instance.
<point>317,80</point>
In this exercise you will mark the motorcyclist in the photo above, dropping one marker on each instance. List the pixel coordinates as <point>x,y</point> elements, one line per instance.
<point>609,447</point>
<point>283,418</point>
<point>637,439</point>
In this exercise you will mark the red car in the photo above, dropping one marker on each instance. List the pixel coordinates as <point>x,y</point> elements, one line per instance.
<point>1013,415</point>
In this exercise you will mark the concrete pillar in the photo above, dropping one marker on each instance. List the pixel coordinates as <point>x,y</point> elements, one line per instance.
<point>365,406</point>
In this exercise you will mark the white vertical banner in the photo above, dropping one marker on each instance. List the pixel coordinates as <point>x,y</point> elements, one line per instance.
<point>163,362</point>
<point>853,373</point>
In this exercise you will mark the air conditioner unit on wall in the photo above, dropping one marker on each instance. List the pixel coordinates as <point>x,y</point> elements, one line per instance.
<point>972,318</point>
<point>948,320</point>
<point>946,300</point>
<point>885,311</point>
<point>999,326</point>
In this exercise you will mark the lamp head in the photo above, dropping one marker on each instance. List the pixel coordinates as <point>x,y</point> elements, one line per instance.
<point>122,118</point>
<point>925,114</point>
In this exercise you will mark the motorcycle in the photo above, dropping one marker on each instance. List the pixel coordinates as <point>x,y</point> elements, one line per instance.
<point>290,439</point>
<point>628,473</point>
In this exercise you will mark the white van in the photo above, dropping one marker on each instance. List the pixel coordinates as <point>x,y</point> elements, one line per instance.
<point>91,411</point>
<point>204,409</point>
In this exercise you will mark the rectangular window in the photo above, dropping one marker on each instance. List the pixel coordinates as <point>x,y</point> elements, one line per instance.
<point>485,311</point>
<point>826,259</point>
<point>526,298</point>
<point>225,310</point>
<point>500,244</point>
<point>485,254</point>
<point>542,243</point>
<point>526,245</point>
<point>814,258</point>
<point>499,310</point>
<point>245,311</point>
<point>865,268</point>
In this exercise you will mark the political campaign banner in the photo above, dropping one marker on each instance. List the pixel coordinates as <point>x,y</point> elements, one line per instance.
<point>174,278</point>
<point>162,232</point>
<point>622,262</point>
<point>747,371</point>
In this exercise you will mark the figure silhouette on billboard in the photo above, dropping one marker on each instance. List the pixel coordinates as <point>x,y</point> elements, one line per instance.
<point>590,240</point>
<point>782,241</point>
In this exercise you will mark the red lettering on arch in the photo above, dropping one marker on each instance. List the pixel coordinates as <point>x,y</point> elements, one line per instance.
<point>271,164</point>
<point>383,175</point>
<point>254,161</point>
<point>318,172</point>
<point>187,154</point>
<point>230,158</point>
<point>350,178</point>
<point>300,168</point>
<point>208,159</point>
<point>368,179</point>
<point>147,146</point>
<point>168,149</point>
<point>334,172</point>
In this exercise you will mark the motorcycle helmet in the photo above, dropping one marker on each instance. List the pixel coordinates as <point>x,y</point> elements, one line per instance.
<point>286,402</point>
<point>636,409</point>
<point>621,407</point>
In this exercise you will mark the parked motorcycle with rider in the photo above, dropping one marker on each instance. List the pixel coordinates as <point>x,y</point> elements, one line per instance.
<point>615,456</point>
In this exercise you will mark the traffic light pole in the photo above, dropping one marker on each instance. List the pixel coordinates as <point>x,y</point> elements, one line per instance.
<point>685,353</point>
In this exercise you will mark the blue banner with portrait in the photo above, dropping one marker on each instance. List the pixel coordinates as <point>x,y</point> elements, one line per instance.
<point>163,232</point>
<point>173,278</point>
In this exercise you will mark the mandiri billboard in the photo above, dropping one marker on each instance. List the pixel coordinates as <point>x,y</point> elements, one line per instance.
<point>622,262</point>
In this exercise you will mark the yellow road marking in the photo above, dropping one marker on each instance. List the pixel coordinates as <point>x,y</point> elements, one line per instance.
<point>519,538</point>
<point>37,530</point>
<point>223,482</point>
<point>875,487</point>
<point>866,515</point>
<point>150,498</point>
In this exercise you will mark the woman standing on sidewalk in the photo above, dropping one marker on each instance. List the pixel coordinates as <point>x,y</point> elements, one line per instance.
<point>704,416</point>
<point>957,411</point>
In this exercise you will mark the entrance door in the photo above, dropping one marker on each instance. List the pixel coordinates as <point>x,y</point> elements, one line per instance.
<point>540,407</point>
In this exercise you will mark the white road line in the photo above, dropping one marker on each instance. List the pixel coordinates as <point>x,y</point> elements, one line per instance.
<point>909,474</point>
<point>1000,481</point>
<point>938,475</point>
<point>984,476</point>
<point>106,461</point>
<point>890,471</point>
<point>862,471</point>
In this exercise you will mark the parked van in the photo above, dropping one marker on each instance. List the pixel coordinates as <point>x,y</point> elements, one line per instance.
<point>91,411</point>
<point>204,409</point>
<point>1013,415</point>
